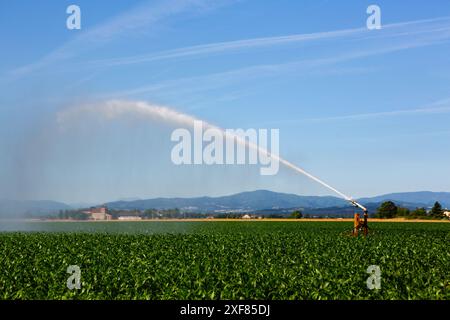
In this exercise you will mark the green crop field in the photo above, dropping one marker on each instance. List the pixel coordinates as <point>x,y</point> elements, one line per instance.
<point>224,260</point>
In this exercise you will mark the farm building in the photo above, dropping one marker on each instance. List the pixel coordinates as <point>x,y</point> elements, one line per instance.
<point>98,213</point>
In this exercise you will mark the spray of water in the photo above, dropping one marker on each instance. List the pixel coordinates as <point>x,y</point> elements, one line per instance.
<point>117,108</point>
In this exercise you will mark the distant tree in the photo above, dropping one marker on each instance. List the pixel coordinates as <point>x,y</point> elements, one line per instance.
<point>403,212</point>
<point>387,209</point>
<point>275,216</point>
<point>436,211</point>
<point>149,213</point>
<point>296,214</point>
<point>419,213</point>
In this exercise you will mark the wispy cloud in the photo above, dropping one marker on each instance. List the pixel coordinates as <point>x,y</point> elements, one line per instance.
<point>438,107</point>
<point>220,79</point>
<point>149,13</point>
<point>410,28</point>
<point>395,113</point>
<point>139,17</point>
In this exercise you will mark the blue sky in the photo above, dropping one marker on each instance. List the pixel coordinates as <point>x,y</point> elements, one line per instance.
<point>365,110</point>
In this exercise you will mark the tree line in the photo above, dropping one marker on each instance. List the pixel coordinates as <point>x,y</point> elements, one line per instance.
<point>81,214</point>
<point>389,209</point>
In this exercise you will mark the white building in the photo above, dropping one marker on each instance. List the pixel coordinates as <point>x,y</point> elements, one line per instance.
<point>129,218</point>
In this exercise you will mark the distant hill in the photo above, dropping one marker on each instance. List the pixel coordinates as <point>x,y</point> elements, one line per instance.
<point>23,208</point>
<point>269,200</point>
<point>263,201</point>
<point>245,201</point>
<point>421,198</point>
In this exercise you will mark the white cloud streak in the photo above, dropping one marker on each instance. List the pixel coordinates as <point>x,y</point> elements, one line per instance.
<point>411,28</point>
<point>438,107</point>
<point>217,80</point>
<point>395,113</point>
<point>138,18</point>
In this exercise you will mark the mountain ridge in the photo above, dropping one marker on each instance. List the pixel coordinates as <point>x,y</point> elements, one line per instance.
<point>265,199</point>
<point>243,201</point>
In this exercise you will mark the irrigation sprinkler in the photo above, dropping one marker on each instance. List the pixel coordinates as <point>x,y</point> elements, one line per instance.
<point>360,225</point>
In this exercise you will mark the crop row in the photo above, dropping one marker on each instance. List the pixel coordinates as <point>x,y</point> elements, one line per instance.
<point>238,260</point>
